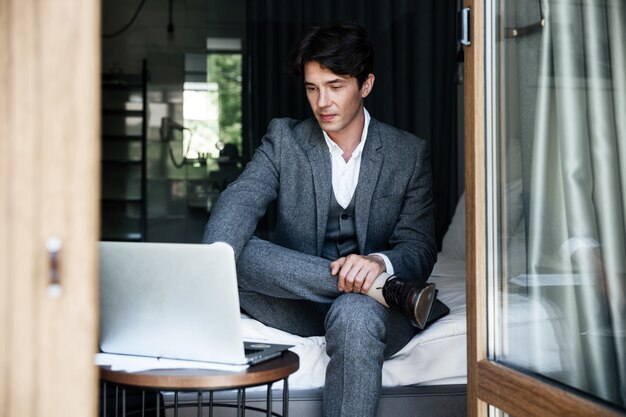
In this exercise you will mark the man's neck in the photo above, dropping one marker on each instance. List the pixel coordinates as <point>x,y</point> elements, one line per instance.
<point>349,138</point>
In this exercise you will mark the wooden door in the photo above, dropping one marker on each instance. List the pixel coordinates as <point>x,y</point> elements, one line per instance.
<point>494,387</point>
<point>49,188</point>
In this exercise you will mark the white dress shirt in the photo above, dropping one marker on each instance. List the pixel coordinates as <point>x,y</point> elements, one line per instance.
<point>345,174</point>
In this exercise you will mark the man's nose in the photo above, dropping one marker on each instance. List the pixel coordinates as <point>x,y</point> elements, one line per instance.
<point>323,100</point>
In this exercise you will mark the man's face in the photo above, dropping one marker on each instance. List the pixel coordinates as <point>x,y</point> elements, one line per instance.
<point>336,100</point>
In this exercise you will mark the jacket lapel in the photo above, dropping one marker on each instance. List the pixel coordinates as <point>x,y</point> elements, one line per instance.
<point>371,165</point>
<point>321,169</point>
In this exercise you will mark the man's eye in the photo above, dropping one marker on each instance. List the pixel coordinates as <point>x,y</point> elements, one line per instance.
<point>337,87</point>
<point>310,88</point>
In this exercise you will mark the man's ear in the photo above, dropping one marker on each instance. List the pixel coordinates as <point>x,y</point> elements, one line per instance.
<point>367,86</point>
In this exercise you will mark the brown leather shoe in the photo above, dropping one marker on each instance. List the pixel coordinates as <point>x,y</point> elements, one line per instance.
<point>413,299</point>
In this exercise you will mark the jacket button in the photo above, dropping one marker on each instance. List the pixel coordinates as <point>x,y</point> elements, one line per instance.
<point>345,216</point>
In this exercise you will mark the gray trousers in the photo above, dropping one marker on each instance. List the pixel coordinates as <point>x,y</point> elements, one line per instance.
<point>295,292</point>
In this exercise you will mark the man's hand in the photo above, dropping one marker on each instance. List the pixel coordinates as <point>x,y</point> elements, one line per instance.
<point>356,273</point>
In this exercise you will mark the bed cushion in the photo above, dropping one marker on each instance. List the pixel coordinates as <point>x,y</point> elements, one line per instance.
<point>453,244</point>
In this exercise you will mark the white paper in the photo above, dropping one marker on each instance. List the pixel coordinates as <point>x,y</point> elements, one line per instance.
<point>129,363</point>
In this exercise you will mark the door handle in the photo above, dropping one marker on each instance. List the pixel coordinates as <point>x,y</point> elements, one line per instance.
<point>463,26</point>
<point>53,247</point>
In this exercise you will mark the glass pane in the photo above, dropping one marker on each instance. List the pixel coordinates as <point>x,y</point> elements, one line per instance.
<point>212,107</point>
<point>496,412</point>
<point>558,214</point>
<point>212,111</point>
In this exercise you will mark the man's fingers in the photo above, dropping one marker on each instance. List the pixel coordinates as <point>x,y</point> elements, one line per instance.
<point>352,282</point>
<point>369,280</point>
<point>356,277</point>
<point>355,273</point>
<point>340,268</point>
<point>335,266</point>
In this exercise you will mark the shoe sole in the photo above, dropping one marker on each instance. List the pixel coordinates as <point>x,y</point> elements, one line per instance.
<point>423,305</point>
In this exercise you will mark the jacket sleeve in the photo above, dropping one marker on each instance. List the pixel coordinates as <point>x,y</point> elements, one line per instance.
<point>235,215</point>
<point>413,250</point>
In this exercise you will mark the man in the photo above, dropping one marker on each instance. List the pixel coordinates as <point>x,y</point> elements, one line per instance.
<point>354,207</point>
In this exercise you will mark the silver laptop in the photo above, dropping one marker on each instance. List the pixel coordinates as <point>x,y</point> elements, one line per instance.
<point>177,301</point>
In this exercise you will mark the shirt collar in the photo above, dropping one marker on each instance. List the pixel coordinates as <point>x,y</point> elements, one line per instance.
<point>336,150</point>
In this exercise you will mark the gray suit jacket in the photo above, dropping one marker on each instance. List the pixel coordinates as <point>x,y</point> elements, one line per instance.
<point>393,207</point>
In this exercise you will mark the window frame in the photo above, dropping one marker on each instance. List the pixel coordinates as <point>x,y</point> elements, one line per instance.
<point>491,383</point>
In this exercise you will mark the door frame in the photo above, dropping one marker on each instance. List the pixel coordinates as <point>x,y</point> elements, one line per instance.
<point>489,382</point>
<point>49,206</point>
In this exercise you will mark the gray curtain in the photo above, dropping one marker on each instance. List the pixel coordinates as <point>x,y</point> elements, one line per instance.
<point>577,200</point>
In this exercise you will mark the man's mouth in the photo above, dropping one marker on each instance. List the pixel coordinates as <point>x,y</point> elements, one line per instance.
<point>326,117</point>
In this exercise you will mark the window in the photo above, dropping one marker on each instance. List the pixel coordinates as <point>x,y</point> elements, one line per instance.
<point>558,205</point>
<point>212,108</point>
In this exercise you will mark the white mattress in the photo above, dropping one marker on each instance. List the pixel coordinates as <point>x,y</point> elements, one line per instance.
<point>435,356</point>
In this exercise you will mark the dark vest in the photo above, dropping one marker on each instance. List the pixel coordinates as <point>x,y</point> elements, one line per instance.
<point>340,239</point>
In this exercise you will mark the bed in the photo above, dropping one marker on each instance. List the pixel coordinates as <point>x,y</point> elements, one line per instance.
<point>426,378</point>
<point>434,356</point>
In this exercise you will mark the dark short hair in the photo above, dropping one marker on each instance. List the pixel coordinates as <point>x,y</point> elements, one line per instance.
<point>342,48</point>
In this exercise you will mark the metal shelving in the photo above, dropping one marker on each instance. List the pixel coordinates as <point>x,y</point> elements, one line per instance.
<point>124,168</point>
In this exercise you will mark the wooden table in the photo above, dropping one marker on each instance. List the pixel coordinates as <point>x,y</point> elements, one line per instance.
<point>201,381</point>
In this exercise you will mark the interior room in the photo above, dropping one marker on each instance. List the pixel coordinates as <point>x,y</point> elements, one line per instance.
<point>418,79</point>
<point>183,48</point>
<point>124,121</point>
<point>165,192</point>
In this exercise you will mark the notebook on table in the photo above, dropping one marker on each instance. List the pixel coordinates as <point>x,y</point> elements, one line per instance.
<point>174,301</point>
